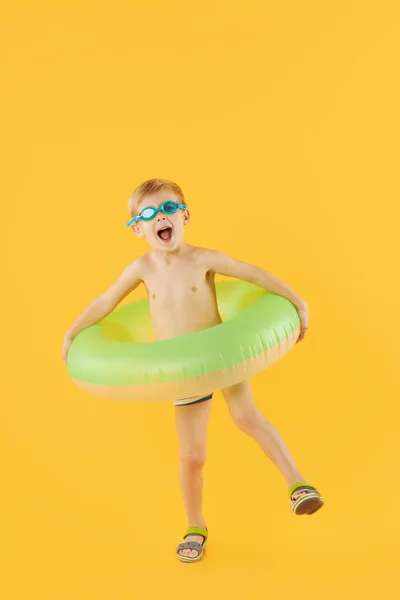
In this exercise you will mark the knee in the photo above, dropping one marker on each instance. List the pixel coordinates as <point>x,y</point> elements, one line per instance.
<point>246,421</point>
<point>194,459</point>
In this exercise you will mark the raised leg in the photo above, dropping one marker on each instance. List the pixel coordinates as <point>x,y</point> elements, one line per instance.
<point>251,421</point>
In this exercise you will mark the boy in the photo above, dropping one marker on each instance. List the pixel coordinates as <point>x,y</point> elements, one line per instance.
<point>179,279</point>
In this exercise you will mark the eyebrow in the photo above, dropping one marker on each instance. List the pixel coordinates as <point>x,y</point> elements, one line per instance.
<point>161,202</point>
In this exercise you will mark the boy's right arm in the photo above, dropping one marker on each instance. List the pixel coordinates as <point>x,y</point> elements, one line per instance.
<point>101,306</point>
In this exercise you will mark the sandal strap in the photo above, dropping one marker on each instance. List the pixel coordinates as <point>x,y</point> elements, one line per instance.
<point>190,545</point>
<point>196,531</point>
<point>302,485</point>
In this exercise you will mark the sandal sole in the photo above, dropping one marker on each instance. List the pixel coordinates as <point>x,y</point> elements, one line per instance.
<point>308,506</point>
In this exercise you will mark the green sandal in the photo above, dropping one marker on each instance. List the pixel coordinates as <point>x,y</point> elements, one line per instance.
<point>308,503</point>
<point>199,548</point>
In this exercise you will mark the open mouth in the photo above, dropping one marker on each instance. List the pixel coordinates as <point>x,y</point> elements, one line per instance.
<point>165,233</point>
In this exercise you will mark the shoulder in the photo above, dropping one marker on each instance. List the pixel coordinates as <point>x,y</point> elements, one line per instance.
<point>210,259</point>
<point>137,267</point>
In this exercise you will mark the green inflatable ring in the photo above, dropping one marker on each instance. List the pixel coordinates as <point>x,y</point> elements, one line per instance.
<point>113,359</point>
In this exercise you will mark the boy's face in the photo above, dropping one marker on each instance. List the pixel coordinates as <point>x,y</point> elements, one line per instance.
<point>164,232</point>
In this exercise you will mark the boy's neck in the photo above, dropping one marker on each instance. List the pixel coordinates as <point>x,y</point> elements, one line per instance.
<point>169,257</point>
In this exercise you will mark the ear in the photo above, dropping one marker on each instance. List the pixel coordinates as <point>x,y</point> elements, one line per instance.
<point>186,216</point>
<point>138,230</point>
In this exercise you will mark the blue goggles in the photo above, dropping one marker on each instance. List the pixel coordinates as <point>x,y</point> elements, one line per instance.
<point>169,207</point>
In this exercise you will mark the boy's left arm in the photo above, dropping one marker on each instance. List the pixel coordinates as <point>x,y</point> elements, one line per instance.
<point>226,265</point>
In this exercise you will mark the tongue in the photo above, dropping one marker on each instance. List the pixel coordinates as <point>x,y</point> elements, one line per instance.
<point>165,234</point>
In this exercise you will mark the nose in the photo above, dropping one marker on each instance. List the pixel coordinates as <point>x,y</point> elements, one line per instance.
<point>160,217</point>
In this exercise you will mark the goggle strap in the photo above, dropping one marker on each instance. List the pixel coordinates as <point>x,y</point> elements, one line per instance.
<point>132,221</point>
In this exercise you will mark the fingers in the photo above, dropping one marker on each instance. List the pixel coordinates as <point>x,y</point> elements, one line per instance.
<point>302,335</point>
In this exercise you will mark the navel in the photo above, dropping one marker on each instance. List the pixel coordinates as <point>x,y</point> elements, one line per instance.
<point>194,289</point>
<point>153,296</point>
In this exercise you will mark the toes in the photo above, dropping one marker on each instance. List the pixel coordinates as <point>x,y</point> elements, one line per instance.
<point>188,553</point>
<point>298,495</point>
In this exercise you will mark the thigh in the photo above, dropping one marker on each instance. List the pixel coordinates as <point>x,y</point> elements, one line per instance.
<point>191,423</point>
<point>240,401</point>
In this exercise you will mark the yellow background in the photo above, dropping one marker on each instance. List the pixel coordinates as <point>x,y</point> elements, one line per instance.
<point>281,123</point>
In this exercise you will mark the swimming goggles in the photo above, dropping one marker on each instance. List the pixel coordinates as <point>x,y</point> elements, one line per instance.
<point>169,207</point>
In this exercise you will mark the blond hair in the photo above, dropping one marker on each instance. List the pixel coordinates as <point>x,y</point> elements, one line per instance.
<point>152,186</point>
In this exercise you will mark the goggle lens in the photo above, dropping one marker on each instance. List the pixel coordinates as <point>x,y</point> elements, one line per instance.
<point>147,213</point>
<point>170,207</point>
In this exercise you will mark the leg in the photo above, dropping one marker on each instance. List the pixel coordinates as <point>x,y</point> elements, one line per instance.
<point>251,421</point>
<point>191,423</point>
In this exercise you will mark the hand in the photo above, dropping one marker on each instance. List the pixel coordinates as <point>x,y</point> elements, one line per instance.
<point>304,318</point>
<point>65,348</point>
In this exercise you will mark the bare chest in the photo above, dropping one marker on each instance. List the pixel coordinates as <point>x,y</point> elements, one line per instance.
<point>177,284</point>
